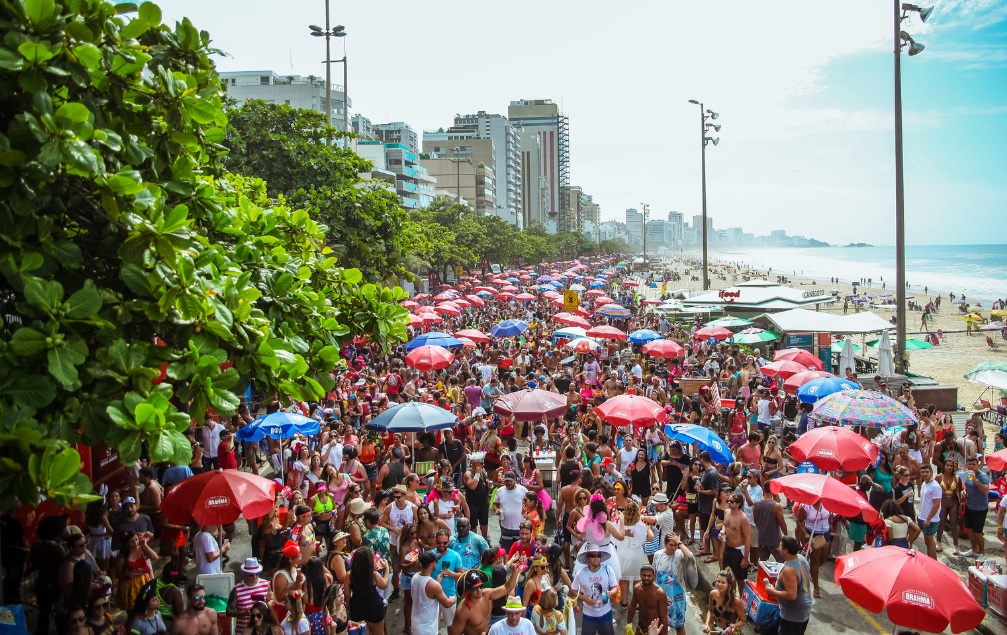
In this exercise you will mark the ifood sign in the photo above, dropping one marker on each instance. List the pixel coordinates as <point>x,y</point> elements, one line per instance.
<point>729,296</point>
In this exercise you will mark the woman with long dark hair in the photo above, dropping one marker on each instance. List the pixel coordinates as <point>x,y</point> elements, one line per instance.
<point>368,574</point>
<point>316,579</point>
<point>262,621</point>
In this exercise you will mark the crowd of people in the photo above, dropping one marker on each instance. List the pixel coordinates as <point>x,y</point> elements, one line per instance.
<point>502,526</point>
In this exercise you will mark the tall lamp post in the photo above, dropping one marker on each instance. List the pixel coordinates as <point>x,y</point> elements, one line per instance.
<point>704,127</point>
<point>329,33</point>
<point>901,39</point>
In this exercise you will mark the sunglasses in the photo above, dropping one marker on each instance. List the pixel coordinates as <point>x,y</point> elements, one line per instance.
<point>99,605</point>
<point>442,544</point>
<point>77,620</point>
<point>198,598</point>
<point>257,616</point>
<point>398,497</point>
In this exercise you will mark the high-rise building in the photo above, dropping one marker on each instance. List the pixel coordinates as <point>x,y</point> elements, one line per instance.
<point>461,166</point>
<point>307,93</point>
<point>398,132</point>
<point>676,228</point>
<point>362,126</point>
<point>542,117</point>
<point>697,225</point>
<point>634,228</point>
<point>535,193</point>
<point>401,168</point>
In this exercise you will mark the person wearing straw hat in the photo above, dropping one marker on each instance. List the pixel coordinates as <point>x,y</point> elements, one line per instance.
<point>516,623</point>
<point>595,585</point>
<point>473,615</point>
<point>393,518</point>
<point>246,593</point>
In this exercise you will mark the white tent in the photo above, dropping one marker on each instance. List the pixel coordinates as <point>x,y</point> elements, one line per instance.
<point>886,361</point>
<point>803,320</point>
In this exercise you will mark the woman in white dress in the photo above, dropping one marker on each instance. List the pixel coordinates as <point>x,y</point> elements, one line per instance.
<point>630,549</point>
<point>598,532</point>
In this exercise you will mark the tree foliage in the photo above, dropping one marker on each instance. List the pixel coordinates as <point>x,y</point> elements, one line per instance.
<point>286,147</point>
<point>126,247</point>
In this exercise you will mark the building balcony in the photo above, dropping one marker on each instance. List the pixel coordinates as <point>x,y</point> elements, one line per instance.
<point>405,186</point>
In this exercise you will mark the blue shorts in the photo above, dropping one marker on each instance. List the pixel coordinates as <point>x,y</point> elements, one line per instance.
<point>928,529</point>
<point>406,580</point>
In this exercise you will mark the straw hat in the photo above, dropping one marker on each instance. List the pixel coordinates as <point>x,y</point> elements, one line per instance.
<point>358,506</point>
<point>514,604</point>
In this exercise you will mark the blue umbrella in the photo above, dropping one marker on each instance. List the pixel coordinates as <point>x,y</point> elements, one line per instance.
<point>513,281</point>
<point>412,417</point>
<point>509,328</point>
<point>614,311</point>
<point>557,284</point>
<point>596,284</point>
<point>545,279</point>
<point>484,294</point>
<point>434,338</point>
<point>642,336</point>
<point>278,425</point>
<point>705,438</point>
<point>815,389</point>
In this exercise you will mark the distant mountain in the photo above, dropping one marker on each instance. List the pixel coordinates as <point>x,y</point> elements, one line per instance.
<point>858,245</point>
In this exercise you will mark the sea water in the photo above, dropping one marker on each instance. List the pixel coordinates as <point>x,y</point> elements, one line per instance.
<point>977,271</point>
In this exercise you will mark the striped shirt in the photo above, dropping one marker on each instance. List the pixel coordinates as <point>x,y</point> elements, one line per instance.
<point>246,597</point>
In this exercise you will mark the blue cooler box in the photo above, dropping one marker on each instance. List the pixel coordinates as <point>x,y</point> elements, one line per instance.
<point>761,612</point>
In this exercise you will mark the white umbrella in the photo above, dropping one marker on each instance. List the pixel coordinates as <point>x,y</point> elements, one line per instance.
<point>886,360</point>
<point>846,357</point>
<point>571,332</point>
<point>578,287</point>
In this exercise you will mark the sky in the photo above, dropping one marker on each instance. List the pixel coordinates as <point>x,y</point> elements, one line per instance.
<point>805,93</point>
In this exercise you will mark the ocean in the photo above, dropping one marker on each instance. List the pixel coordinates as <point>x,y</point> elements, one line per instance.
<point>977,271</point>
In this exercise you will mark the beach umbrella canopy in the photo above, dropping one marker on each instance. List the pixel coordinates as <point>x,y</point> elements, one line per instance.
<point>607,332</point>
<point>818,388</point>
<point>997,461</point>
<point>413,416</point>
<point>409,304</point>
<point>633,410</point>
<point>475,300</point>
<point>603,300</point>
<point>433,338</point>
<point>800,356</point>
<point>571,320</point>
<point>415,320</point>
<point>705,438</point>
<point>430,318</point>
<point>663,349</point>
<point>642,336</point>
<point>836,496</point>
<point>782,369</point>
<point>524,297</point>
<point>886,359</point>
<point>630,283</point>
<point>577,287</point>
<point>847,358</point>
<point>860,408</point>
<point>992,326</point>
<point>729,321</point>
<point>917,591</point>
<point>583,345</point>
<point>474,334</point>
<point>834,448</point>
<point>614,311</point>
<point>448,308</point>
<point>717,332</point>
<point>796,381</point>
<point>837,347</point>
<point>989,373</point>
<point>756,338</point>
<point>278,425</point>
<point>571,332</point>
<point>530,404</point>
<point>467,343</point>
<point>509,328</point>
<point>912,344</point>
<point>595,293</point>
<point>430,357</point>
<point>219,497</point>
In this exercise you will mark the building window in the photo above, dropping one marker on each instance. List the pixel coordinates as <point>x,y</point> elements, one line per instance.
<point>264,80</point>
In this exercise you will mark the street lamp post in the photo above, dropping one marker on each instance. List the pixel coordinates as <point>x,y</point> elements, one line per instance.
<point>901,39</point>
<point>329,33</point>
<point>704,127</point>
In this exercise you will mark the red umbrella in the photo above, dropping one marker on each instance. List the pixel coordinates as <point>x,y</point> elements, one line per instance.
<point>505,296</point>
<point>594,293</point>
<point>631,283</point>
<point>431,318</point>
<point>571,320</point>
<point>509,288</point>
<point>466,342</point>
<point>633,410</point>
<point>836,496</point>
<point>443,297</point>
<point>464,304</point>
<point>583,345</point>
<point>530,404</point>
<point>834,448</point>
<point>607,333</point>
<point>784,369</point>
<point>219,497</point>
<point>919,592</point>
<point>409,304</point>
<point>718,332</point>
<point>552,295</point>
<point>997,460</point>
<point>604,300</point>
<point>800,356</point>
<point>474,334</point>
<point>421,296</point>
<point>486,289</point>
<point>796,381</point>
<point>524,297</point>
<point>664,349</point>
<point>429,357</point>
<point>415,320</point>
<point>475,300</point>
<point>448,308</point>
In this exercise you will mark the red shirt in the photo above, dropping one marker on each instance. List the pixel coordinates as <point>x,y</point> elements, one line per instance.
<point>225,457</point>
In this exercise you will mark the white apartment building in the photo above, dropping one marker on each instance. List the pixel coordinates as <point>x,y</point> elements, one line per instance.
<point>296,91</point>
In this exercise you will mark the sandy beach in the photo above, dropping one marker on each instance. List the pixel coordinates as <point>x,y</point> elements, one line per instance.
<point>945,363</point>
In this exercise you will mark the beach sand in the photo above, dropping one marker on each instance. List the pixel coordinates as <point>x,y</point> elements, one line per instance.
<point>946,363</point>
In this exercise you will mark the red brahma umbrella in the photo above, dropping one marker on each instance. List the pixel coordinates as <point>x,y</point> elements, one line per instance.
<point>632,410</point>
<point>219,497</point>
<point>834,448</point>
<point>429,357</point>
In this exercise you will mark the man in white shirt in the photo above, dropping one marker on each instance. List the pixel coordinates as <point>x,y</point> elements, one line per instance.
<point>211,441</point>
<point>593,587</point>
<point>515,623</point>
<point>930,509</point>
<point>208,555</point>
<point>508,505</point>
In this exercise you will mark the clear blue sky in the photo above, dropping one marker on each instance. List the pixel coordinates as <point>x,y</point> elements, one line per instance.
<point>805,92</point>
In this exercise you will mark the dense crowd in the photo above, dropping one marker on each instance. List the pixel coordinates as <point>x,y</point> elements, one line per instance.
<point>590,517</point>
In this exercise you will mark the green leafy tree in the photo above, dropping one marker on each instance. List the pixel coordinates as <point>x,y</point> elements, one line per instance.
<point>286,147</point>
<point>126,247</point>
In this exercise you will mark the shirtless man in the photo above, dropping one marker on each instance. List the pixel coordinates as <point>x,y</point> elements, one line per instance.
<point>738,532</point>
<point>565,505</point>
<point>611,385</point>
<point>904,458</point>
<point>472,613</point>
<point>650,600</point>
<point>197,619</point>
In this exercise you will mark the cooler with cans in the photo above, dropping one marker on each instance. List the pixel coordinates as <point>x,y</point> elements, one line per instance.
<point>978,584</point>
<point>768,572</point>
<point>761,611</point>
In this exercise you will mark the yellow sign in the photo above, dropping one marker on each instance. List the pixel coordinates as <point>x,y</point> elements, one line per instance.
<point>570,301</point>
<point>459,271</point>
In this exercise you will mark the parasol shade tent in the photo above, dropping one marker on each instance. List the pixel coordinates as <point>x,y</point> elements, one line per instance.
<point>860,408</point>
<point>278,425</point>
<point>430,357</point>
<point>413,416</point>
<point>834,448</point>
<point>823,386</point>
<point>607,332</point>
<point>219,497</point>
<point>717,332</point>
<point>990,373</point>
<point>530,404</point>
<point>632,410</point>
<point>509,328</point>
<point>434,338</point>
<point>917,591</point>
<point>663,349</point>
<point>705,438</point>
<point>799,355</point>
